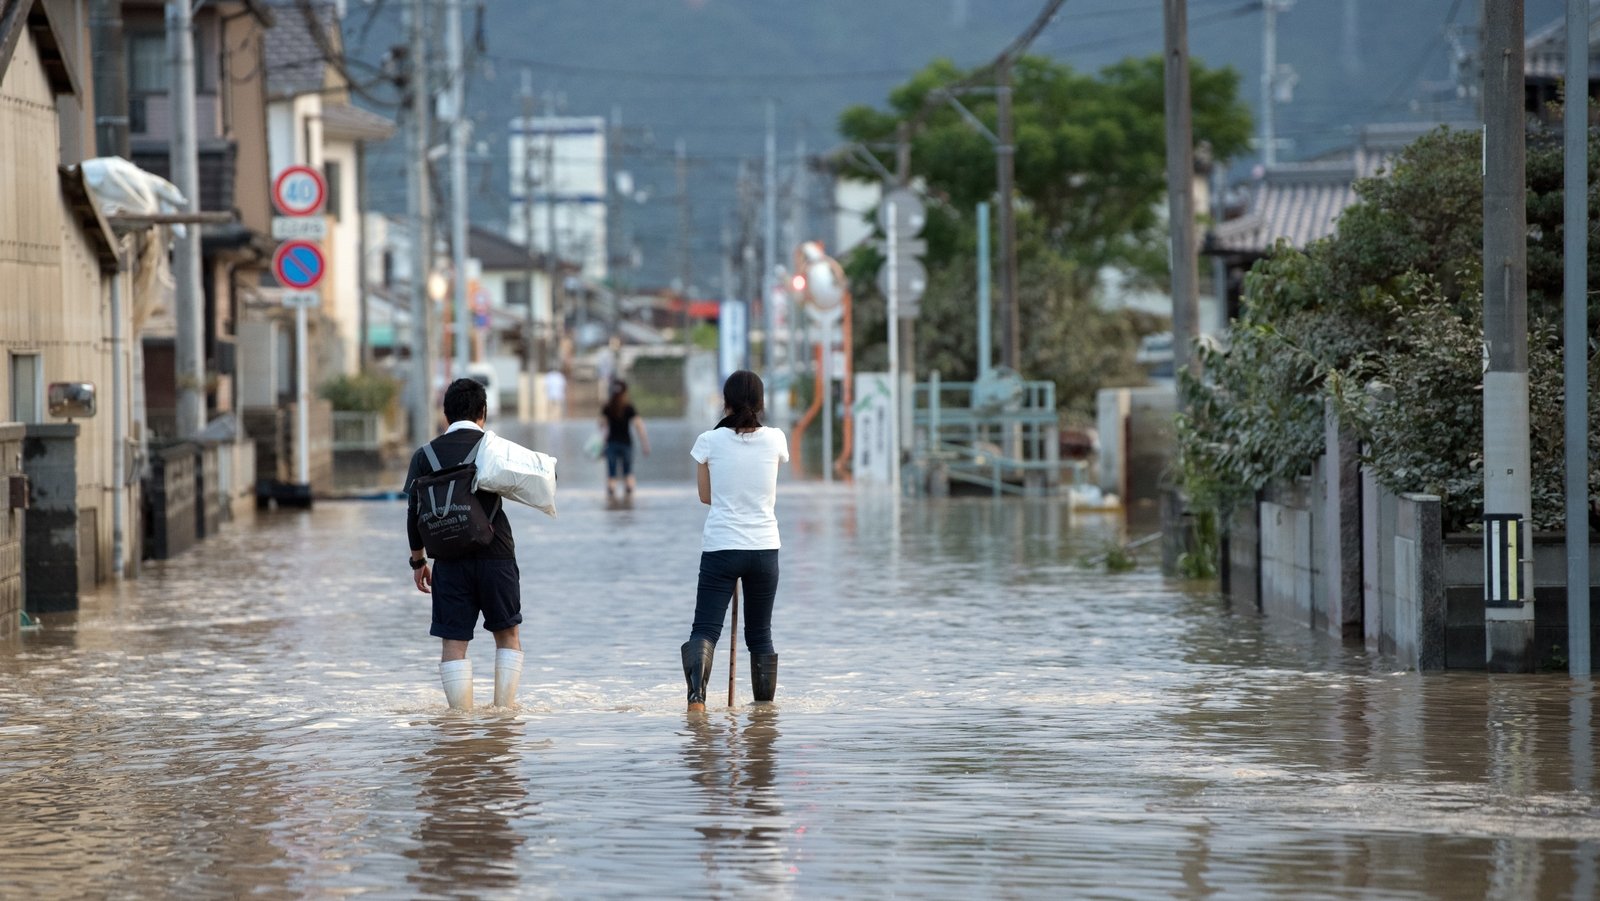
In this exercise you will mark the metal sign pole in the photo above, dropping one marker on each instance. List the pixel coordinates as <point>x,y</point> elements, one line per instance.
<point>302,424</point>
<point>894,348</point>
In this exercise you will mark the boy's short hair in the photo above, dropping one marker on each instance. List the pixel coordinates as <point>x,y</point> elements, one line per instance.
<point>465,399</point>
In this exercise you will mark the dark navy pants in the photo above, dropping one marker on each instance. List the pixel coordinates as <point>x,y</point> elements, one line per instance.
<point>757,572</point>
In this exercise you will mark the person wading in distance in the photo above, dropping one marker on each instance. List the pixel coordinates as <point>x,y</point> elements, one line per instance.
<point>484,578</point>
<point>618,421</point>
<point>738,476</point>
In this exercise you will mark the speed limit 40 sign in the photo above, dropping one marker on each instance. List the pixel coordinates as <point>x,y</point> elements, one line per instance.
<point>299,191</point>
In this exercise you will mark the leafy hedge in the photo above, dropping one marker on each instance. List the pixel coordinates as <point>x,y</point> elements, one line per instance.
<point>1384,320</point>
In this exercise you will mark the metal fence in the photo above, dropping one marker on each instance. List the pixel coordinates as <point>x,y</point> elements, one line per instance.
<point>354,431</point>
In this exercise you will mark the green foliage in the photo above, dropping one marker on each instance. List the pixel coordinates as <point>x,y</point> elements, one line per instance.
<point>1089,163</point>
<point>704,336</point>
<point>1090,149</point>
<point>361,393</point>
<point>1384,319</point>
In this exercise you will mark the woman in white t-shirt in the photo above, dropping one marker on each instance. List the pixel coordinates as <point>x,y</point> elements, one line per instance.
<point>738,474</point>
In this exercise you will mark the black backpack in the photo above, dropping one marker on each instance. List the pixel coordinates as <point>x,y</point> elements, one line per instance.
<point>451,518</point>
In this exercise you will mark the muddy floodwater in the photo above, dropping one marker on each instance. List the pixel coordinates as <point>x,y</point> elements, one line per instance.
<point>966,709</point>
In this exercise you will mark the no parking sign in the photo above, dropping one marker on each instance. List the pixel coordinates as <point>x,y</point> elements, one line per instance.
<point>298,264</point>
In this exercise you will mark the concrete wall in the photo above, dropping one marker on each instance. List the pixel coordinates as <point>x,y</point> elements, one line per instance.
<point>1417,583</point>
<point>1242,562</point>
<point>11,529</point>
<point>53,556</point>
<point>1339,523</point>
<point>1289,572</point>
<point>1466,646</point>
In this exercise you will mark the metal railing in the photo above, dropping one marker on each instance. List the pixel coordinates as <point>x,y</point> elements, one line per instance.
<point>992,445</point>
<point>355,431</point>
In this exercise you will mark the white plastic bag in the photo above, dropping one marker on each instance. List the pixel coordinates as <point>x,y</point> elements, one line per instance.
<point>516,473</point>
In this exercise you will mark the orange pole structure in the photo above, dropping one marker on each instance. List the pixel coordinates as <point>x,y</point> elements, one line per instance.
<point>841,465</point>
<point>800,427</point>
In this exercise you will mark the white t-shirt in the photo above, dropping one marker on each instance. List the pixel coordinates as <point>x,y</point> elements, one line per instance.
<point>744,487</point>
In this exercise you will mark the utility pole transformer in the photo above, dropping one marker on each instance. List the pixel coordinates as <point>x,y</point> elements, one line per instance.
<point>188,309</point>
<point>1180,185</point>
<point>1507,504</point>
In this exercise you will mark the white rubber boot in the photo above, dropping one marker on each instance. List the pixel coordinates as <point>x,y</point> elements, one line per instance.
<point>507,673</point>
<point>457,678</point>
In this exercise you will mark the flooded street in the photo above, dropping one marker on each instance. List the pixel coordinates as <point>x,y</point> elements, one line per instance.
<point>965,709</point>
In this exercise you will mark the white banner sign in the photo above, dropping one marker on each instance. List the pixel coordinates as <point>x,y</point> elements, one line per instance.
<point>309,228</point>
<point>732,348</point>
<point>874,451</point>
<point>307,299</point>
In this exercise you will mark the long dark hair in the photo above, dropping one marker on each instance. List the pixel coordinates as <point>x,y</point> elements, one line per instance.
<point>745,399</point>
<point>619,399</point>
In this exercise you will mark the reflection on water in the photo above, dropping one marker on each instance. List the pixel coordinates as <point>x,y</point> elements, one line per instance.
<point>733,761</point>
<point>965,711</point>
<point>471,797</point>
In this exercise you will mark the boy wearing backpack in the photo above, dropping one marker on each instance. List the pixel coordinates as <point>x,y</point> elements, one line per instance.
<point>468,535</point>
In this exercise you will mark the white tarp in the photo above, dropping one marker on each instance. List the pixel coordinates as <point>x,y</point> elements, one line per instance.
<point>122,189</point>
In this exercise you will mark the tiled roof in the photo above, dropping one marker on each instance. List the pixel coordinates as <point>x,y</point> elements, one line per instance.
<point>1301,202</point>
<point>341,120</point>
<point>1544,54</point>
<point>294,61</point>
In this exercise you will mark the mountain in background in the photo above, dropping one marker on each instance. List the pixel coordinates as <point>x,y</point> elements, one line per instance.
<point>703,70</point>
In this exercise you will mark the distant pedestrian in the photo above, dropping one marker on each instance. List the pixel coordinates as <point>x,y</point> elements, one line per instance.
<point>482,579</point>
<point>619,421</point>
<point>555,392</point>
<point>738,477</point>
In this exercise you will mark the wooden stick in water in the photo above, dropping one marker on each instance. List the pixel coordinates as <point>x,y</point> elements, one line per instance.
<point>733,642</point>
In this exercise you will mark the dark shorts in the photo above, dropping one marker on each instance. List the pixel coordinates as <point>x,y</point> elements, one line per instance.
<point>464,588</point>
<point>619,459</point>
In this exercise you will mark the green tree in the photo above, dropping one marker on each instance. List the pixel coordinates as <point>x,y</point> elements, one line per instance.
<point>1090,181</point>
<point>1091,149</point>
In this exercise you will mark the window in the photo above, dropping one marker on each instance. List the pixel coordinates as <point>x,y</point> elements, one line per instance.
<point>27,388</point>
<point>147,62</point>
<point>332,175</point>
<point>516,292</point>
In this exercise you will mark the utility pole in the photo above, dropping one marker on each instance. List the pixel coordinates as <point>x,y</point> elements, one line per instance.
<point>420,209</point>
<point>188,308</point>
<point>552,257</point>
<point>1180,183</point>
<point>456,68</point>
<point>769,242</point>
<point>1507,503</point>
<point>1269,80</point>
<point>531,337</point>
<point>685,259</point>
<point>1006,152</point>
<point>801,226</point>
<point>1576,334</point>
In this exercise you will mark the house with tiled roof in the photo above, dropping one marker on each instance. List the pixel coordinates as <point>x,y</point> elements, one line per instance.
<point>1300,203</point>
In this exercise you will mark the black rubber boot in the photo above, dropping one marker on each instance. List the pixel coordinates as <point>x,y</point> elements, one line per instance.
<point>697,656</point>
<point>764,676</point>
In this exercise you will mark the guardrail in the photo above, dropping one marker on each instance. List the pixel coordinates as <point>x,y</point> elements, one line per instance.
<point>988,445</point>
